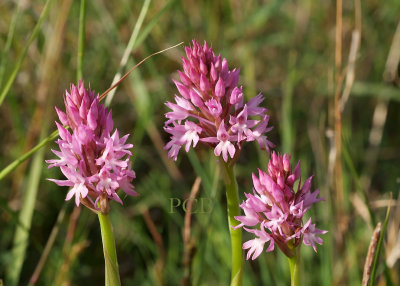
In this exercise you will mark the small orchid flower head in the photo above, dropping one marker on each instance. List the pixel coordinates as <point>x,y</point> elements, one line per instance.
<point>274,211</point>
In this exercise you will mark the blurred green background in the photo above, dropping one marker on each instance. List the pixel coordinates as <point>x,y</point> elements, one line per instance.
<point>288,51</point>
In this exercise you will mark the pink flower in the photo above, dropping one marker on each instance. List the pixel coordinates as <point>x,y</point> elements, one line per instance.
<point>95,163</point>
<point>76,181</point>
<point>256,245</point>
<point>224,146</point>
<point>310,235</point>
<point>211,101</point>
<point>275,211</point>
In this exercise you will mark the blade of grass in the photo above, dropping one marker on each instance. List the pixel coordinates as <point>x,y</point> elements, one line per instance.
<point>288,134</point>
<point>21,237</point>
<point>10,37</point>
<point>28,154</point>
<point>21,58</point>
<point>135,40</point>
<point>378,247</point>
<point>356,178</point>
<point>378,90</point>
<point>146,31</point>
<point>129,48</point>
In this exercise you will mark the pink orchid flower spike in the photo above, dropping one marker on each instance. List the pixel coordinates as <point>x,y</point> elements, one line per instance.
<point>210,109</point>
<point>275,210</point>
<point>94,162</point>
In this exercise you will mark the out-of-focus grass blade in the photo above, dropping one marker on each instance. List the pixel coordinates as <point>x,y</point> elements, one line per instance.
<point>356,178</point>
<point>288,134</point>
<point>199,170</point>
<point>146,31</point>
<point>21,236</point>
<point>21,58</point>
<point>136,39</point>
<point>21,159</point>
<point>49,245</point>
<point>255,20</point>
<point>141,103</point>
<point>379,90</point>
<point>10,36</point>
<point>129,48</point>
<point>378,248</point>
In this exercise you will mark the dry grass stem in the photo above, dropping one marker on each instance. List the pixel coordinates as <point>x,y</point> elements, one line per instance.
<point>371,254</point>
<point>189,244</point>
<point>158,240</point>
<point>393,242</point>
<point>170,165</point>
<point>390,75</point>
<point>104,94</point>
<point>49,245</point>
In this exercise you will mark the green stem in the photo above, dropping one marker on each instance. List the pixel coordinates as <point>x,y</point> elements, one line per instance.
<point>81,41</point>
<point>232,198</point>
<point>110,254</point>
<point>294,263</point>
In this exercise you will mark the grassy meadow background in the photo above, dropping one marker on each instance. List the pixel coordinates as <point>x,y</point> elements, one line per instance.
<point>317,88</point>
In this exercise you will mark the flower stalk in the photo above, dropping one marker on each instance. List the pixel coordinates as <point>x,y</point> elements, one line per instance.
<point>294,264</point>
<point>232,197</point>
<point>110,254</point>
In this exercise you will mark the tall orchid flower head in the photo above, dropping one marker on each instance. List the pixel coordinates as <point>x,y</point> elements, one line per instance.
<point>210,107</point>
<point>94,162</point>
<point>274,212</point>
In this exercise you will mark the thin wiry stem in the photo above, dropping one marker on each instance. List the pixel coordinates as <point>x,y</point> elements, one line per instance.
<point>189,244</point>
<point>338,123</point>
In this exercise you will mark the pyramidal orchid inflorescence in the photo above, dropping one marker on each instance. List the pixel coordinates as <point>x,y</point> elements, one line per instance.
<point>274,212</point>
<point>210,107</point>
<point>95,163</point>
